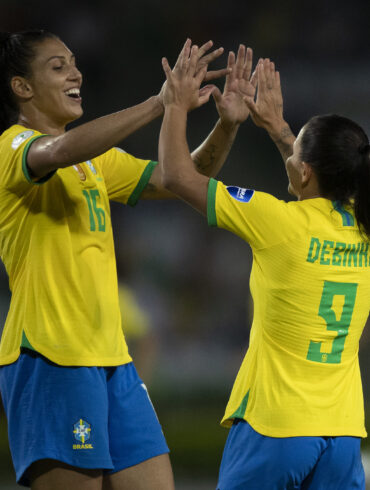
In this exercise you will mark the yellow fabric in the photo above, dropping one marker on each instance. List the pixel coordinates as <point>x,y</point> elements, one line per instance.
<point>135,322</point>
<point>310,284</point>
<point>57,246</point>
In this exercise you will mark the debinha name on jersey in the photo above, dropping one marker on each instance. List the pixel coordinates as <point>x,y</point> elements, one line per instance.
<point>327,252</point>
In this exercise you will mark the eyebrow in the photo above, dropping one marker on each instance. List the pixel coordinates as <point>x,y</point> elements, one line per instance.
<point>60,57</point>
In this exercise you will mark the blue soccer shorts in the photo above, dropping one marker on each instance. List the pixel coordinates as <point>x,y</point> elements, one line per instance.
<point>87,417</point>
<point>252,461</point>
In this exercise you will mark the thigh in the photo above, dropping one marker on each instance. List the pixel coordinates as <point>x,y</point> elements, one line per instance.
<point>339,466</point>
<point>152,474</point>
<point>47,474</point>
<point>135,434</point>
<point>55,412</point>
<point>254,461</point>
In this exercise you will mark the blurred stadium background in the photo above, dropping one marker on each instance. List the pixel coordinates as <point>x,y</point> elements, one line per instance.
<point>188,283</point>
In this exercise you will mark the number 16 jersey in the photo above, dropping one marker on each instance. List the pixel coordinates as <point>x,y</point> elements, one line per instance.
<point>57,246</point>
<point>310,284</point>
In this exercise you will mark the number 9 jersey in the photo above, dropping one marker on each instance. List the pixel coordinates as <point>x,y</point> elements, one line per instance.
<point>57,246</point>
<point>310,284</point>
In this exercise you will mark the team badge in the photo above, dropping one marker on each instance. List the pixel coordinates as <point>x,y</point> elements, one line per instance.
<point>20,138</point>
<point>91,166</point>
<point>80,171</point>
<point>240,194</point>
<point>81,430</point>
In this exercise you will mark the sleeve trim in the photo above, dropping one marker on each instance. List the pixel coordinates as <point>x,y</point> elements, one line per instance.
<point>144,179</point>
<point>211,202</point>
<point>25,167</point>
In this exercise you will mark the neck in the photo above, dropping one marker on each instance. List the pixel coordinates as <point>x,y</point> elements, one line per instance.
<point>41,122</point>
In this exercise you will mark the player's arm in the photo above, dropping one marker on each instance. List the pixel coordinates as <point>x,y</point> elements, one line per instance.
<point>210,156</point>
<point>267,110</point>
<point>96,137</point>
<point>182,93</point>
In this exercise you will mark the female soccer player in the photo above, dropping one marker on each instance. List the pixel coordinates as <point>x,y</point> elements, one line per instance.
<point>296,409</point>
<point>78,415</point>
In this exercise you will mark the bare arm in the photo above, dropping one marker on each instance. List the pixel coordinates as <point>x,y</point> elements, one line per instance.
<point>91,139</point>
<point>94,138</point>
<point>179,174</point>
<point>210,156</point>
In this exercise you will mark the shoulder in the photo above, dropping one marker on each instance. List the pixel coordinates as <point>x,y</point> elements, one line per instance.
<point>15,136</point>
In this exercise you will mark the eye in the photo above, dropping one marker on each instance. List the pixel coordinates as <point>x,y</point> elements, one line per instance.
<point>58,67</point>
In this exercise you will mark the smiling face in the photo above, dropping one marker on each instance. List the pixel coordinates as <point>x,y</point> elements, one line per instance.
<point>55,84</point>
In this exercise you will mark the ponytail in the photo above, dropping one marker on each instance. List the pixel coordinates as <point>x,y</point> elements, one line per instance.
<point>362,195</point>
<point>17,50</point>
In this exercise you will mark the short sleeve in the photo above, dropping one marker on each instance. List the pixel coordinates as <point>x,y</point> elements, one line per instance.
<point>125,176</point>
<point>14,147</point>
<point>258,218</point>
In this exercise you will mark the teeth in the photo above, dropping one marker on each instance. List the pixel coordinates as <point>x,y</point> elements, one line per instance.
<point>73,91</point>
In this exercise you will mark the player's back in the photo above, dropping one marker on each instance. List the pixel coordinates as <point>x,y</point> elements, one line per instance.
<point>310,284</point>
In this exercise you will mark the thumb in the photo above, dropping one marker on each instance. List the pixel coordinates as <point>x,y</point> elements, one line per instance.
<point>249,102</point>
<point>217,95</point>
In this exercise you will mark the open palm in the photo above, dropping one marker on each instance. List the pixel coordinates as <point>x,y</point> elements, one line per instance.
<point>239,84</point>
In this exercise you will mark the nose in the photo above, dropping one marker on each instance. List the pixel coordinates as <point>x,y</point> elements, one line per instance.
<point>75,74</point>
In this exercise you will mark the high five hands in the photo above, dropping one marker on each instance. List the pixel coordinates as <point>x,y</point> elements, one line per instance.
<point>183,82</point>
<point>244,93</point>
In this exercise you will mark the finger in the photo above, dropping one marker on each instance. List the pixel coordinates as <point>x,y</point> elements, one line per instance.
<point>181,55</point>
<point>231,66</point>
<point>193,60</point>
<point>211,75</point>
<point>199,77</point>
<point>266,69</point>
<point>166,68</point>
<point>277,79</point>
<point>185,56</point>
<point>254,78</point>
<point>248,64</point>
<point>272,73</point>
<point>206,88</point>
<point>203,99</point>
<point>240,62</point>
<point>261,79</point>
<point>211,56</point>
<point>217,95</point>
<point>204,48</point>
<point>249,102</point>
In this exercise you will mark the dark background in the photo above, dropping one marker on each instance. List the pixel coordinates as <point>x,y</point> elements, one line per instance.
<point>192,281</point>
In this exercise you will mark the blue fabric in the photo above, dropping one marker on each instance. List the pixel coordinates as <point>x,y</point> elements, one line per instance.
<point>254,462</point>
<point>88,417</point>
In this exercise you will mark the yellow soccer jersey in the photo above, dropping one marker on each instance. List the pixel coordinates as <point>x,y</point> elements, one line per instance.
<point>57,246</point>
<point>310,284</point>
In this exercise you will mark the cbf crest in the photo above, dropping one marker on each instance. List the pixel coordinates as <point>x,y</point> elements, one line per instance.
<point>81,431</point>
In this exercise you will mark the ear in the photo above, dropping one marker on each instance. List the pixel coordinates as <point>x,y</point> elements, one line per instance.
<point>306,173</point>
<point>21,88</point>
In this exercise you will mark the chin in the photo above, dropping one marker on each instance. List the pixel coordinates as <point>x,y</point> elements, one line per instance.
<point>74,116</point>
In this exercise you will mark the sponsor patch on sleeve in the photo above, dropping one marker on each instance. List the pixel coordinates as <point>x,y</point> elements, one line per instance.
<point>20,138</point>
<point>240,194</point>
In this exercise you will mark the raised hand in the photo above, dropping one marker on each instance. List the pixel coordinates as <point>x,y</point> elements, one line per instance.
<point>182,87</point>
<point>267,110</point>
<point>203,60</point>
<point>239,84</point>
